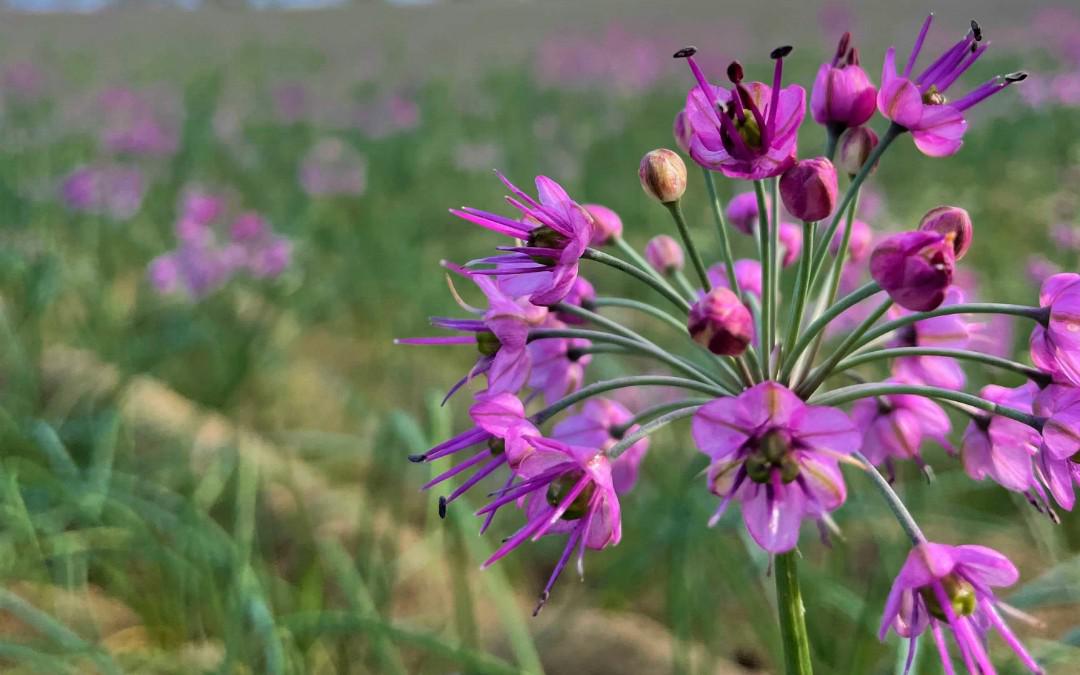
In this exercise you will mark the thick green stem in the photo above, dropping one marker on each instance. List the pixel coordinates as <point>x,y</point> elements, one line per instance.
<point>774,267</point>
<point>1040,314</point>
<point>789,605</point>
<point>657,284</point>
<point>619,448</point>
<point>691,250</point>
<point>764,337</point>
<point>721,229</point>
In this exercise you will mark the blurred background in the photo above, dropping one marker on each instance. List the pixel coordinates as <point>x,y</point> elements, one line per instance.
<point>215,219</point>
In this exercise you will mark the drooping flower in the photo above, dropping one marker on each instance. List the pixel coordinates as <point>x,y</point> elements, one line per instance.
<point>999,447</point>
<point>500,335</point>
<point>1055,347</point>
<point>558,364</point>
<point>749,132</point>
<point>602,423</point>
<point>843,94</point>
<point>951,331</point>
<point>1057,462</point>
<point>808,189</point>
<point>914,268</point>
<point>567,489</point>
<point>664,254</point>
<point>917,102</point>
<point>747,274</point>
<point>721,323</point>
<point>777,456</point>
<point>950,220</point>
<point>943,586</point>
<point>742,211</point>
<point>556,230</point>
<point>894,426</point>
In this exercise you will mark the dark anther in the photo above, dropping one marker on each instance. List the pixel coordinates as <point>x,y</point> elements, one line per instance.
<point>842,48</point>
<point>1018,76</point>
<point>976,30</point>
<point>574,354</point>
<point>685,52</point>
<point>853,56</point>
<point>543,601</point>
<point>416,459</point>
<point>442,507</point>
<point>735,72</point>
<point>781,52</point>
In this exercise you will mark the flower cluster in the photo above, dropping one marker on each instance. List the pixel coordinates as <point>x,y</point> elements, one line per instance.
<point>778,427</point>
<point>211,249</point>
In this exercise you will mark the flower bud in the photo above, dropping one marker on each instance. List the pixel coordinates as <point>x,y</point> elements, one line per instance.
<point>843,93</point>
<point>747,275</point>
<point>606,224</point>
<point>581,295</point>
<point>854,149</point>
<point>915,268</point>
<point>664,254</point>
<point>682,131</point>
<point>790,242</point>
<point>809,189</point>
<point>858,244</point>
<point>950,220</point>
<point>663,175</point>
<point>721,323</point>
<point>742,211</point>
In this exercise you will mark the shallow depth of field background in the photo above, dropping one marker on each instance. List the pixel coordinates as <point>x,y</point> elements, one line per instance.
<point>219,484</point>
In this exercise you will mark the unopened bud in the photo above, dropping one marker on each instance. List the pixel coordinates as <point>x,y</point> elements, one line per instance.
<point>854,148</point>
<point>606,224</point>
<point>809,189</point>
<point>914,268</point>
<point>721,323</point>
<point>742,211</point>
<point>950,220</point>
<point>663,175</point>
<point>664,254</point>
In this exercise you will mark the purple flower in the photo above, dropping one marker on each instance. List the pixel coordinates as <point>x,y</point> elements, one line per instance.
<point>333,168</point>
<point>1057,463</point>
<point>914,268</point>
<point>843,93</point>
<point>567,489</point>
<point>950,221</point>
<point>133,126</point>
<point>721,323</point>
<point>202,207</point>
<point>556,231</point>
<point>742,211</point>
<point>918,103</point>
<point>1001,448</point>
<point>747,273</point>
<point>558,364</point>
<point>893,426</point>
<point>606,224</point>
<point>808,189</point>
<point>602,423</point>
<point>777,456</point>
<point>790,243</point>
<point>858,244</point>
<point>113,191</point>
<point>664,254</point>
<point>951,331</point>
<point>1055,348</point>
<point>943,586</point>
<point>749,132</point>
<point>582,295</point>
<point>501,337</point>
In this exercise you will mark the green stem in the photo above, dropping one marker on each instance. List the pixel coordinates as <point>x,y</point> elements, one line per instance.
<point>764,337</point>
<point>833,130</point>
<point>676,363</point>
<point>685,411</point>
<point>818,375</point>
<point>896,505</point>
<point>684,285</point>
<point>802,290</point>
<point>657,284</point>
<point>621,383</point>
<point>691,250</point>
<point>1040,314</point>
<point>857,391</point>
<point>890,135</point>
<point>845,303</point>
<point>1033,374</point>
<point>792,615</point>
<point>645,308</point>
<point>721,229</point>
<point>774,266</point>
<point>619,430</point>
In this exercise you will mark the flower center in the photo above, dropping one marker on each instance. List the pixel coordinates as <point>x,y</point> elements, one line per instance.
<point>545,237</point>
<point>749,131</point>
<point>773,452</point>
<point>961,596</point>
<point>487,344</point>
<point>560,488</point>
<point>933,97</point>
<point>497,446</point>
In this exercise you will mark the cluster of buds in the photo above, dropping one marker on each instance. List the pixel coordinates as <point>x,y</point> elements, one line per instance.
<point>778,427</point>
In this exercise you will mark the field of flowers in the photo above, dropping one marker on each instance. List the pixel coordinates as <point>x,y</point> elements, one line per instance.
<point>215,226</point>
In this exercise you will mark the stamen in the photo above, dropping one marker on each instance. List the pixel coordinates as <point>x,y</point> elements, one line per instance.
<point>735,72</point>
<point>416,459</point>
<point>842,48</point>
<point>917,47</point>
<point>1018,76</point>
<point>781,52</point>
<point>442,507</point>
<point>853,56</point>
<point>976,30</point>
<point>777,55</point>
